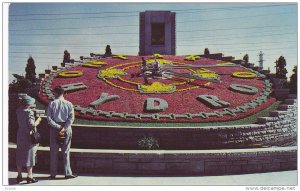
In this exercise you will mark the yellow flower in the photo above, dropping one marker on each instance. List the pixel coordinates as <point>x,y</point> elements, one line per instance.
<point>111,73</point>
<point>226,63</point>
<point>156,87</point>
<point>94,64</point>
<point>120,56</point>
<point>157,56</point>
<point>205,73</point>
<point>160,61</point>
<point>192,57</point>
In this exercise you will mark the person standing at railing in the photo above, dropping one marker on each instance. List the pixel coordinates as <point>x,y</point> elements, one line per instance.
<point>60,116</point>
<point>26,150</point>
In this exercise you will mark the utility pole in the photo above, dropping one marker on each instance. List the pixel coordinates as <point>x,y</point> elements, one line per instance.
<point>261,60</point>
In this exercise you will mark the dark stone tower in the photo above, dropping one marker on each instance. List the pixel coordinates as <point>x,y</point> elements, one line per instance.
<point>157,33</point>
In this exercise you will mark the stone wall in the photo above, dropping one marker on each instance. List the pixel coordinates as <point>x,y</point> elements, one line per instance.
<point>282,122</point>
<point>278,129</point>
<point>171,163</point>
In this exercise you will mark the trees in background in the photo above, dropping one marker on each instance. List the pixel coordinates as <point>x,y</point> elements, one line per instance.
<point>293,81</point>
<point>280,68</point>
<point>19,85</point>
<point>30,70</point>
<point>22,84</point>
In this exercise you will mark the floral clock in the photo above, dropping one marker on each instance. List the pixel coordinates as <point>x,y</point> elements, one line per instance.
<point>160,88</point>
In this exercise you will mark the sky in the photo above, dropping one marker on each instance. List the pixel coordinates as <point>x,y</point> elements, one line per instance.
<point>45,30</point>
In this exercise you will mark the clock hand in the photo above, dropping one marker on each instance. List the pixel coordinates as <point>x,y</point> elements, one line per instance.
<point>196,66</point>
<point>187,75</point>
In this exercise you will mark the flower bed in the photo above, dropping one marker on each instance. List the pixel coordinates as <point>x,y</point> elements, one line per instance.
<point>183,105</point>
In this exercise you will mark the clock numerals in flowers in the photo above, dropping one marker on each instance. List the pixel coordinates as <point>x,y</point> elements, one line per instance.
<point>246,75</point>
<point>70,74</point>
<point>74,87</point>
<point>244,89</point>
<point>94,64</point>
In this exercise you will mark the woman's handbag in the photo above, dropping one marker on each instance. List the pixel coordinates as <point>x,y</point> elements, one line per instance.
<point>35,137</point>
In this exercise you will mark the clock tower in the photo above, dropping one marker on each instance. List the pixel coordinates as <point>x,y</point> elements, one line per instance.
<point>157,33</point>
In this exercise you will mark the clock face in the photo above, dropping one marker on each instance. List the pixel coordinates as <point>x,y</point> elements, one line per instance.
<point>161,89</point>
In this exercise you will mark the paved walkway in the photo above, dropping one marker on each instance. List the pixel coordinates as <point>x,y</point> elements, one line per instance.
<point>285,178</point>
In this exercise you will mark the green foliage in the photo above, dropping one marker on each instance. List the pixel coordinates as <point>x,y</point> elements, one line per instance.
<point>284,84</point>
<point>20,86</point>
<point>293,81</point>
<point>148,143</point>
<point>18,77</point>
<point>280,68</point>
<point>30,70</point>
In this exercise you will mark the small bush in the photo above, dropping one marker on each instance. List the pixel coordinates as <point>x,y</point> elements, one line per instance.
<point>148,143</point>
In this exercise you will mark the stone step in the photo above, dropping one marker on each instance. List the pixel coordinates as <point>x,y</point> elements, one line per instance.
<point>285,107</point>
<point>277,113</point>
<point>290,101</point>
<point>292,96</point>
<point>262,120</point>
<point>170,162</point>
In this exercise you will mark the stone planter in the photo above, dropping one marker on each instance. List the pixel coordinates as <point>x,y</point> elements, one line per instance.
<point>41,75</point>
<point>214,56</point>
<point>240,62</point>
<point>251,65</point>
<point>227,58</point>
